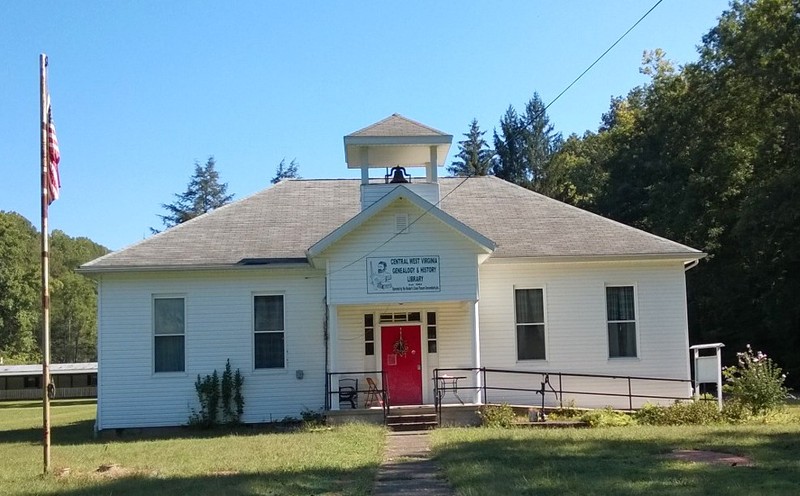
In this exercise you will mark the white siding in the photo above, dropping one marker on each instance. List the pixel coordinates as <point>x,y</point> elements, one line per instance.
<point>218,311</point>
<point>371,193</point>
<point>428,236</point>
<point>576,327</point>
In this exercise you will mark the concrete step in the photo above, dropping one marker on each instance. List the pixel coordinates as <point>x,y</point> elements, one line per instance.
<point>411,422</point>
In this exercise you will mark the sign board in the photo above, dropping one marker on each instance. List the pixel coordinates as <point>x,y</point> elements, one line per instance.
<point>707,369</point>
<point>414,274</point>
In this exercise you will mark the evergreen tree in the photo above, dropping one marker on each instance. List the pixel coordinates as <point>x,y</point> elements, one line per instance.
<point>541,141</point>
<point>286,171</point>
<point>509,147</point>
<point>204,194</point>
<point>525,146</point>
<point>474,156</point>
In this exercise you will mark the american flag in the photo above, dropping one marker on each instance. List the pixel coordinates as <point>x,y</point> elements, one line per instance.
<point>54,157</point>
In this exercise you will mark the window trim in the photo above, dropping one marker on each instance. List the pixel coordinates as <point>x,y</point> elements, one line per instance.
<point>253,333</point>
<point>166,296</point>
<point>543,288</point>
<point>635,320</point>
<point>431,327</point>
<point>366,328</point>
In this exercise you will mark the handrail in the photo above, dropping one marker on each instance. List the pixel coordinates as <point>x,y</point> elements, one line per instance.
<point>329,391</point>
<point>440,389</point>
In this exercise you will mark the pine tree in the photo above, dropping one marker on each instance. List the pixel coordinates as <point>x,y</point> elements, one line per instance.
<point>541,141</point>
<point>525,146</point>
<point>204,194</point>
<point>286,171</point>
<point>474,156</point>
<point>509,146</point>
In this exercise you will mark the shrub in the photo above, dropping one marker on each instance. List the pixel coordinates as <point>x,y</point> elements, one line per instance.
<point>497,416</point>
<point>756,381</point>
<point>567,412</point>
<point>680,413</point>
<point>606,417</point>
<point>312,418</point>
<point>735,412</point>
<point>211,391</point>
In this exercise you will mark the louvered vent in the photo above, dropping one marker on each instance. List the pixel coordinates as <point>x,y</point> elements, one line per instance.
<point>401,223</point>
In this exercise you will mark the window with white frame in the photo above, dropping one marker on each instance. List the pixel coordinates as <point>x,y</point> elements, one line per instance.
<point>431,328</point>
<point>268,330</point>
<point>369,334</point>
<point>621,313</point>
<point>169,331</point>
<point>529,312</point>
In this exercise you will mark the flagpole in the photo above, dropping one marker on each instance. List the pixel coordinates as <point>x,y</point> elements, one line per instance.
<point>45,265</point>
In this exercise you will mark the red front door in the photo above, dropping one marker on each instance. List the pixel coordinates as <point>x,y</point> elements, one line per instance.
<point>401,354</point>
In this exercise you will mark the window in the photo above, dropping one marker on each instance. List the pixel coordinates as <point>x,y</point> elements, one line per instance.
<point>431,332</point>
<point>400,317</point>
<point>529,306</point>
<point>369,334</point>
<point>269,332</point>
<point>169,329</point>
<point>621,321</point>
<point>33,382</point>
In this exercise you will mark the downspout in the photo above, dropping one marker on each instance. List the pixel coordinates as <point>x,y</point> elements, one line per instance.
<point>326,338</point>
<point>690,265</point>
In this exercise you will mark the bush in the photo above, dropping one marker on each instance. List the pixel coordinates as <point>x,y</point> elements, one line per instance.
<point>679,413</point>
<point>606,417</point>
<point>312,418</point>
<point>497,416</point>
<point>735,412</point>
<point>211,391</point>
<point>756,382</point>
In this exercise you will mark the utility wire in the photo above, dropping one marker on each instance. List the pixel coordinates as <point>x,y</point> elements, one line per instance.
<point>554,100</point>
<point>602,55</point>
<point>423,214</point>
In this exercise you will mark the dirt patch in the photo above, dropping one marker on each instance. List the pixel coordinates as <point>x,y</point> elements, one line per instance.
<point>224,473</point>
<point>714,457</point>
<point>109,471</point>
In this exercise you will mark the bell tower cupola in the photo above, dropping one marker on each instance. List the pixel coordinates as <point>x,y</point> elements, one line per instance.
<point>395,145</point>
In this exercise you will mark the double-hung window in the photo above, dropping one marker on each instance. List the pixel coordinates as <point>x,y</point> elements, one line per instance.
<point>169,330</point>
<point>529,312</point>
<point>621,312</point>
<point>268,327</point>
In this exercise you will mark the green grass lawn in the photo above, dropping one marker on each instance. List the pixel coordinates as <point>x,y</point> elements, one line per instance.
<point>335,461</point>
<point>619,460</point>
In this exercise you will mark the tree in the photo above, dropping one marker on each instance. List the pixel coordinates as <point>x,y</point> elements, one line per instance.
<point>525,146</point>
<point>474,156</point>
<point>509,146</point>
<point>541,141</point>
<point>19,288</point>
<point>73,327</point>
<point>286,171</point>
<point>203,194</point>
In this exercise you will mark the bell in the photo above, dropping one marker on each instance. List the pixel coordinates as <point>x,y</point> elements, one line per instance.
<point>398,175</point>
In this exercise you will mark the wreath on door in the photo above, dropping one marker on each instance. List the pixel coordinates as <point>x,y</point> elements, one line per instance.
<point>400,346</point>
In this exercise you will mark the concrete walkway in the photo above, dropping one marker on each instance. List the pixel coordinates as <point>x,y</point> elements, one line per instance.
<point>407,468</point>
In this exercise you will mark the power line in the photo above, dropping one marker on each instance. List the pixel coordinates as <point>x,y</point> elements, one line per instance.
<point>423,214</point>
<point>554,100</point>
<point>602,55</point>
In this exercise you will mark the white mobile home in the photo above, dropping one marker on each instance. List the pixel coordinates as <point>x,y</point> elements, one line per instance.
<point>395,279</point>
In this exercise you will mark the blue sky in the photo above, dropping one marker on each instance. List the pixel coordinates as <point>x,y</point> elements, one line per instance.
<point>142,89</point>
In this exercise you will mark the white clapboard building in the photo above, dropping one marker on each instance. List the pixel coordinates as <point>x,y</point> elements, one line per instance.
<point>400,280</point>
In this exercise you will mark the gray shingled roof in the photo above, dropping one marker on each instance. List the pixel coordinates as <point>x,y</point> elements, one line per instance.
<point>282,222</point>
<point>397,125</point>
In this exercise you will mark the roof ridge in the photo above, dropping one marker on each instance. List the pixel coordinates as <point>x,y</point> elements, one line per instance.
<point>397,116</point>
